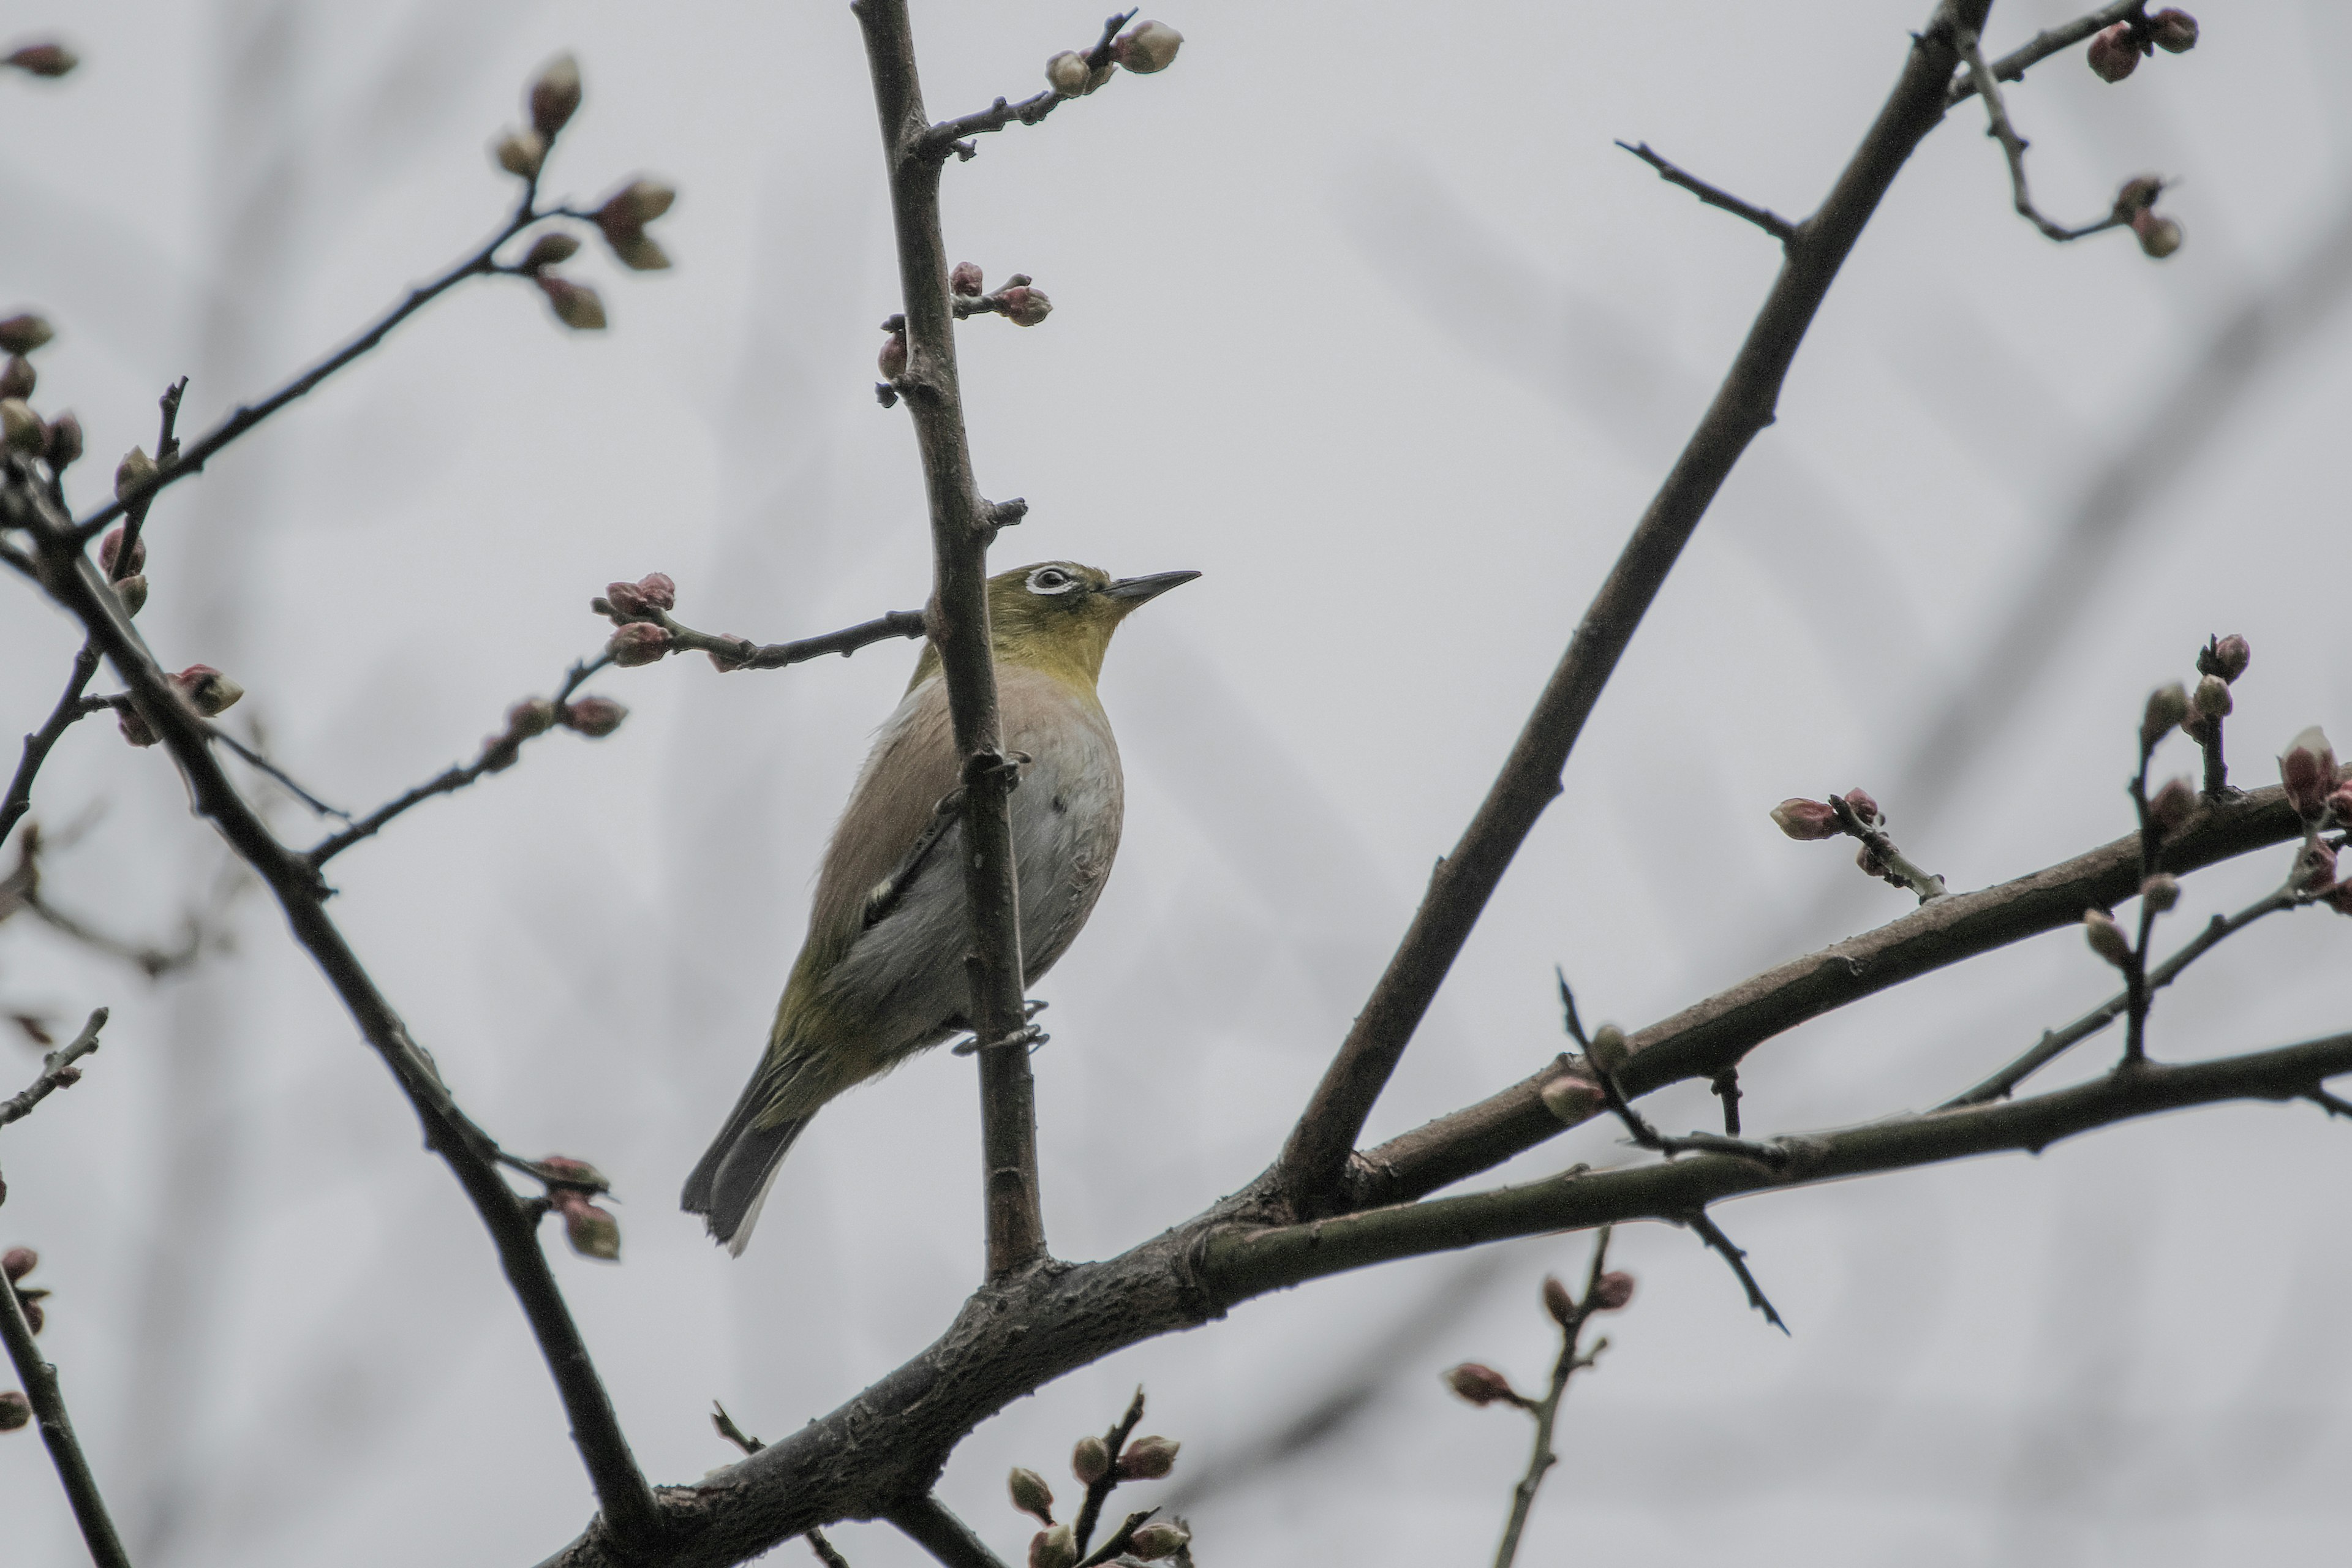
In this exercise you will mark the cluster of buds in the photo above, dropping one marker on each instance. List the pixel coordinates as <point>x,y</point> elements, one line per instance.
<point>635,608</point>
<point>1020,301</point>
<point>1854,812</point>
<point>57,442</point>
<point>2308,769</point>
<point>2158,234</point>
<point>553,98</point>
<point>16,1263</point>
<point>1095,1467</point>
<point>623,219</point>
<point>50,59</point>
<point>594,717</point>
<point>1144,49</point>
<point>2218,665</point>
<point>572,1185</point>
<point>1480,1384</point>
<point>2115,52</point>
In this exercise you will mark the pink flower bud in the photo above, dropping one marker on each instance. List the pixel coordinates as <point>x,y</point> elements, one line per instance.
<point>892,360</point>
<point>643,598</point>
<point>1864,807</point>
<point>592,1231</point>
<point>64,448</point>
<point>2231,654</point>
<point>1572,1097</point>
<point>22,333</point>
<point>56,60</point>
<point>110,550</point>
<point>965,278</point>
<point>2167,707</point>
<point>17,377</point>
<point>575,304</point>
<point>2136,196</point>
<point>2161,891</point>
<point>18,1262</point>
<point>1481,1385</point>
<point>2308,772</point>
<point>579,1172</point>
<point>1804,819</point>
<point>1146,49</point>
<point>519,153</point>
<point>1055,1548</point>
<point>550,248</point>
<point>638,643</point>
<point>2211,697</point>
<point>1557,1300</point>
<point>1090,1460</point>
<point>2170,806</point>
<point>1066,74</point>
<point>1612,1292</point>
<point>37,1317</point>
<point>2160,235</point>
<point>1031,1495</point>
<point>207,690</point>
<point>2113,54</point>
<point>2339,806</point>
<point>2106,938</point>
<point>1024,306</point>
<point>21,429</point>
<point>535,716</point>
<point>555,96</point>
<point>2315,867</point>
<point>1148,1460</point>
<point>134,728</point>
<point>15,1411</point>
<point>1157,1540</point>
<point>594,717</point>
<point>2174,31</point>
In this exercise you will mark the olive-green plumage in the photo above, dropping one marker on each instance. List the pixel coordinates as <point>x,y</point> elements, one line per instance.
<point>881,975</point>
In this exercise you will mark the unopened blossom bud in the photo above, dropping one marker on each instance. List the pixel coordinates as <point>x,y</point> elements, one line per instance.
<point>2308,772</point>
<point>2339,806</point>
<point>15,1411</point>
<point>134,728</point>
<point>1157,1540</point>
<point>564,1168</point>
<point>1557,1300</point>
<point>1864,807</point>
<point>636,204</point>
<point>519,153</point>
<point>1067,73</point>
<point>1607,1050</point>
<point>2174,31</point>
<point>2113,54</point>
<point>2167,707</point>
<point>535,716</point>
<point>2340,898</point>
<point>2106,938</point>
<point>2160,235</point>
<point>1612,1292</point>
<point>2231,654</point>
<point>1146,49</point>
<point>1804,819</point>
<point>892,360</point>
<point>18,1262</point>
<point>2136,196</point>
<point>576,305</point>
<point>1481,1385</point>
<point>21,429</point>
<point>638,643</point>
<point>208,692</point>
<point>1024,306</point>
<point>135,472</point>
<point>640,252</point>
<point>2161,891</point>
<point>37,1317</point>
<point>1147,1458</point>
<point>648,594</point>
<point>1031,1495</point>
<point>550,248</point>
<point>592,1231</point>
<point>1090,1460</point>
<point>2315,867</point>
<point>132,592</point>
<point>965,278</point>
<point>64,446</point>
<point>2211,697</point>
<point>1572,1097</point>
<point>56,60</point>
<point>2170,806</point>
<point>21,334</point>
<point>555,96</point>
<point>594,717</point>
<point>1055,1548</point>
<point>110,552</point>
<point>17,377</point>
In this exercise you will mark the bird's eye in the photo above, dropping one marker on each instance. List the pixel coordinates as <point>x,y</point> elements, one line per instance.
<point>1051,580</point>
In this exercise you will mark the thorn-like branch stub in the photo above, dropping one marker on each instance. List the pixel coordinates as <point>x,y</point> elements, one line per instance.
<point>1771,221</point>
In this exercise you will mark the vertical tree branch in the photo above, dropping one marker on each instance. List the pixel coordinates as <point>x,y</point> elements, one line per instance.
<point>1312,1162</point>
<point>963,525</point>
<point>40,1380</point>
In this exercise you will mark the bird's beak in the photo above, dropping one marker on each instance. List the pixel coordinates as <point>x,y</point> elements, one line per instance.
<point>1134,591</point>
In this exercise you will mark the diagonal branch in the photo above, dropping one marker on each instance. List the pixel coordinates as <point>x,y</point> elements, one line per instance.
<point>2012,65</point>
<point>1771,221</point>
<point>1309,1170</point>
<point>1707,1231</point>
<point>49,1402</point>
<point>947,136</point>
<point>41,741</point>
<point>962,526</point>
<point>58,1071</point>
<point>2013,146</point>
<point>930,1524</point>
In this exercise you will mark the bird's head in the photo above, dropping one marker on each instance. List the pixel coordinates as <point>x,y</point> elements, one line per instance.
<point>1058,615</point>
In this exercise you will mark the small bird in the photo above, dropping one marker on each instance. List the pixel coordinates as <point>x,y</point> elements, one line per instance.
<point>881,975</point>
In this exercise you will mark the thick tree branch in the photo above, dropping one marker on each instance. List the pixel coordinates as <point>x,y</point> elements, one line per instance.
<point>1310,1170</point>
<point>471,1153</point>
<point>963,525</point>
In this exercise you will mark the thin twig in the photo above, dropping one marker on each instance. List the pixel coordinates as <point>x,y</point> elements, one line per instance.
<point>1547,1410</point>
<point>2014,146</point>
<point>1097,1490</point>
<point>58,1070</point>
<point>732,1433</point>
<point>1771,221</point>
<point>167,448</point>
<point>2012,65</point>
<point>1706,1230</point>
<point>948,135</point>
<point>931,1525</point>
<point>38,744</point>
<point>733,653</point>
<point>1885,859</point>
<point>48,1401</point>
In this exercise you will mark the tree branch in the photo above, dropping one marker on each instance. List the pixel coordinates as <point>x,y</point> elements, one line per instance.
<point>1547,1410</point>
<point>49,1402</point>
<point>1771,221</point>
<point>943,138</point>
<point>2013,146</point>
<point>732,652</point>
<point>2012,65</point>
<point>38,745</point>
<point>927,1521</point>
<point>58,1071</point>
<point>1310,1170</point>
<point>963,525</point>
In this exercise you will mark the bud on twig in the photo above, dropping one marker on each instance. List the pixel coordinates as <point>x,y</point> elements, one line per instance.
<point>2161,891</point>
<point>207,690</point>
<point>1157,1540</point>
<point>594,717</point>
<point>555,96</point>
<point>23,332</point>
<point>50,59</point>
<point>1866,808</point>
<point>2308,772</point>
<point>2113,54</point>
<point>110,550</point>
<point>2174,31</point>
<point>965,278</point>
<point>1612,1292</point>
<point>1024,306</point>
<point>639,600</point>
<point>1557,1300</point>
<point>1148,1460</point>
<point>2211,697</point>
<point>521,152</point>
<point>1055,1548</point>
<point>553,246</point>
<point>2160,235</point>
<point>136,471</point>
<point>892,360</point>
<point>622,219</point>
<point>592,1231</point>
<point>536,716</point>
<point>18,1262</point>
<point>1090,1460</point>
<point>1804,820</point>
<point>2106,938</point>
<point>17,377</point>
<point>576,305</point>
<point>1572,1097</point>
<point>1066,74</point>
<point>15,1411</point>
<point>638,643</point>
<point>2167,707</point>
<point>1146,49</point>
<point>2315,867</point>
<point>2339,806</point>
<point>1031,1495</point>
<point>1481,1385</point>
<point>2170,807</point>
<point>64,448</point>
<point>1607,1050</point>
<point>21,429</point>
<point>2230,655</point>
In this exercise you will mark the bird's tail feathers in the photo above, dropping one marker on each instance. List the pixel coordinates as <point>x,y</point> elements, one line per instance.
<point>732,1181</point>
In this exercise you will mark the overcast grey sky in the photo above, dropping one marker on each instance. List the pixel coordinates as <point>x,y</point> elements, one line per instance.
<point>1361,314</point>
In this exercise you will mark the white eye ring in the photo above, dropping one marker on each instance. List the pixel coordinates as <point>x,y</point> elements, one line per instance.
<point>1051,580</point>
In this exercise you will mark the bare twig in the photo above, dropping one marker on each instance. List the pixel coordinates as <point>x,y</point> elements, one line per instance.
<point>948,136</point>
<point>1706,1230</point>
<point>2012,145</point>
<point>1547,1410</point>
<point>49,1402</point>
<point>930,1524</point>
<point>1771,221</point>
<point>1310,1172</point>
<point>732,1433</point>
<point>733,653</point>
<point>963,525</point>
<point>2012,65</point>
<point>824,1550</point>
<point>58,1071</point>
<point>38,744</point>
